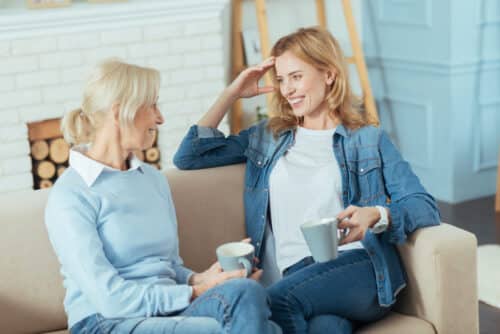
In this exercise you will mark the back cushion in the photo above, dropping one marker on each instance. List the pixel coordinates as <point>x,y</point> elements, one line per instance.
<point>31,291</point>
<point>209,207</point>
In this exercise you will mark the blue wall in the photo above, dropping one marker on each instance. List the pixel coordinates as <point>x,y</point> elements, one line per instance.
<point>435,70</point>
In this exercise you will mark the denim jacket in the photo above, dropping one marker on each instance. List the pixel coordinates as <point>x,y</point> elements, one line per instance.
<point>373,173</point>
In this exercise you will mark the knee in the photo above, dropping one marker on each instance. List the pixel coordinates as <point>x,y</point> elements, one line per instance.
<point>275,294</point>
<point>248,291</point>
<point>202,325</point>
<point>210,326</point>
<point>281,299</point>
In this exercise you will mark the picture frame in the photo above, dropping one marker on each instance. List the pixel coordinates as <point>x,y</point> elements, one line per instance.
<point>39,4</point>
<point>251,46</point>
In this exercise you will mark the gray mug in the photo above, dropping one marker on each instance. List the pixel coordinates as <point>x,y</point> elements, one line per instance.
<point>322,238</point>
<point>236,256</point>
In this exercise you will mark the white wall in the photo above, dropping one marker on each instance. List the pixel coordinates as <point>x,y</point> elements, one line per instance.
<point>45,56</point>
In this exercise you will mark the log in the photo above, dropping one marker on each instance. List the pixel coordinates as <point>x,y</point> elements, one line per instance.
<point>152,154</point>
<point>60,170</point>
<point>59,150</point>
<point>45,169</point>
<point>39,150</point>
<point>45,184</point>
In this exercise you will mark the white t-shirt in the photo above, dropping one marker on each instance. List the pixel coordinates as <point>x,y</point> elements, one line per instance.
<point>305,184</point>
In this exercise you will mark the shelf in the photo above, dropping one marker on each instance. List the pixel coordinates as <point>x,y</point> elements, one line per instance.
<point>19,21</point>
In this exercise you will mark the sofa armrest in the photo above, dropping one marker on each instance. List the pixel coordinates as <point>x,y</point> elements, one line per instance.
<point>442,279</point>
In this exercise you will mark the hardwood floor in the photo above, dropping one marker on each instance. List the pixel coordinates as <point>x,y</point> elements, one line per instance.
<point>478,216</point>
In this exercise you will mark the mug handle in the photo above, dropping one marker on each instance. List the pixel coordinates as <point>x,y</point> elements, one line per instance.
<point>248,266</point>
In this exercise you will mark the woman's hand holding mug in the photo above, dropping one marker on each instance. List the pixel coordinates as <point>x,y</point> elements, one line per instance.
<point>215,275</point>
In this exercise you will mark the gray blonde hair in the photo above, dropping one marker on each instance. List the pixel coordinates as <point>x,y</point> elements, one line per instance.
<point>113,81</point>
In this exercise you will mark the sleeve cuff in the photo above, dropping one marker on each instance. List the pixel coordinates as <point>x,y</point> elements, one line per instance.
<point>176,298</point>
<point>183,274</point>
<point>207,132</point>
<point>396,227</point>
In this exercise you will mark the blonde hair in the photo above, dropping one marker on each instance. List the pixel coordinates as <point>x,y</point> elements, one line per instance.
<point>317,47</point>
<point>130,87</point>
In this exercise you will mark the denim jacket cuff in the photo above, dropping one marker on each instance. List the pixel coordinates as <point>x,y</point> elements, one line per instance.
<point>206,139</point>
<point>396,228</point>
<point>207,132</point>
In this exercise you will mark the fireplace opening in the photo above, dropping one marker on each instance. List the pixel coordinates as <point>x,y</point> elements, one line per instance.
<point>49,152</point>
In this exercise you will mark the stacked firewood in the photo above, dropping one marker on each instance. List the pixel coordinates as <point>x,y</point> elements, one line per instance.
<point>50,159</point>
<point>50,153</point>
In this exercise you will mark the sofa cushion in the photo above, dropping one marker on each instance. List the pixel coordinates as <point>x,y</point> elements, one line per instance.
<point>209,208</point>
<point>397,323</point>
<point>31,291</point>
<point>394,323</point>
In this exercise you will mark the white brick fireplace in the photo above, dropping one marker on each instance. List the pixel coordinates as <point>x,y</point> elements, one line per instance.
<point>46,54</point>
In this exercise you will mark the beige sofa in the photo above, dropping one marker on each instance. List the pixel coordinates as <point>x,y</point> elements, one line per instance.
<point>440,298</point>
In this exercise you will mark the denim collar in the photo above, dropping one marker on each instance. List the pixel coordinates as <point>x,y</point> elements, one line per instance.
<point>341,130</point>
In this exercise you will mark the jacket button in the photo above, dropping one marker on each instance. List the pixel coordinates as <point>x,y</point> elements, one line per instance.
<point>263,217</point>
<point>380,277</point>
<point>361,169</point>
<point>259,162</point>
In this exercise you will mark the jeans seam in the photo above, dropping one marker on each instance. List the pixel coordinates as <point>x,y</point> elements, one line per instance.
<point>227,317</point>
<point>137,325</point>
<point>177,323</point>
<point>100,325</point>
<point>296,286</point>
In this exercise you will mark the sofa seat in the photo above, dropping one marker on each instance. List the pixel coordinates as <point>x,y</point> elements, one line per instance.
<point>397,323</point>
<point>394,323</point>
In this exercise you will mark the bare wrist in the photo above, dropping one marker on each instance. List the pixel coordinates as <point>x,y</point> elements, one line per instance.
<point>197,291</point>
<point>195,279</point>
<point>376,215</point>
<point>231,94</point>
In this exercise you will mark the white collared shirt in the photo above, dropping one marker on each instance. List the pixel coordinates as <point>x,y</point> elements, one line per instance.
<point>90,169</point>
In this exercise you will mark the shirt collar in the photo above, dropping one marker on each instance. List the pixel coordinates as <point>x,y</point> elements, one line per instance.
<point>341,130</point>
<point>90,169</point>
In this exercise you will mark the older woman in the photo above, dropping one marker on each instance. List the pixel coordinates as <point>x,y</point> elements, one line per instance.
<point>112,223</point>
<point>318,157</point>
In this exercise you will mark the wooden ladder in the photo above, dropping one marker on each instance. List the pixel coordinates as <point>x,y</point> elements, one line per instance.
<point>238,63</point>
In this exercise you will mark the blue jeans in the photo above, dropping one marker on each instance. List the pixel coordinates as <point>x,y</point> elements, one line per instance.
<point>328,297</point>
<point>237,306</point>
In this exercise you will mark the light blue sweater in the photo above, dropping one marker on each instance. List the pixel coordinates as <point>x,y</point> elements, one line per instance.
<point>115,235</point>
